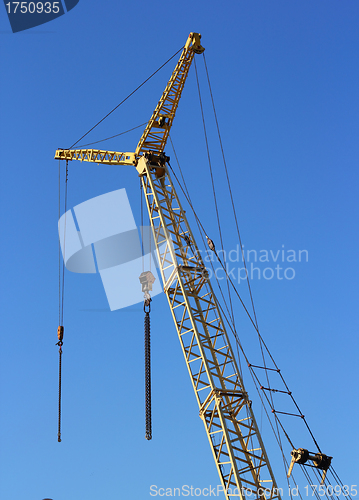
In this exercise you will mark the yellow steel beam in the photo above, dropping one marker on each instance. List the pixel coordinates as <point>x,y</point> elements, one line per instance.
<point>155,136</point>
<point>224,407</point>
<point>156,132</point>
<point>96,156</point>
<point>233,434</point>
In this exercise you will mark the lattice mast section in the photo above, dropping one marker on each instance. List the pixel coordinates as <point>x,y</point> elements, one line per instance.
<point>224,406</point>
<point>158,128</point>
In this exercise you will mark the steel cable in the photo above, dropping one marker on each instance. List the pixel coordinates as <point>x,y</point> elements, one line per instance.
<point>236,221</point>
<point>213,185</point>
<point>254,376</point>
<point>61,298</point>
<point>112,136</point>
<point>129,95</point>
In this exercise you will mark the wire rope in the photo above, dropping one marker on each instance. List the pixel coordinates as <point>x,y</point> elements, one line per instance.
<point>125,99</point>
<point>212,181</point>
<point>236,222</point>
<point>230,323</point>
<point>187,195</point>
<point>218,218</point>
<point>60,329</point>
<point>215,203</point>
<point>112,136</point>
<point>141,208</point>
<point>253,320</point>
<point>229,184</point>
<point>64,249</point>
<point>59,215</point>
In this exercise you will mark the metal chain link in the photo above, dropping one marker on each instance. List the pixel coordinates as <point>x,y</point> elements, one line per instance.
<point>148,376</point>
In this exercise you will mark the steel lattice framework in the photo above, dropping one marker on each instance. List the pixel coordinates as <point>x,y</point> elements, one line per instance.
<point>158,128</point>
<point>96,156</point>
<point>224,407</point>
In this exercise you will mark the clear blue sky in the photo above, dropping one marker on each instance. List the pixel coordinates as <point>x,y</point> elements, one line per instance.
<point>285,81</point>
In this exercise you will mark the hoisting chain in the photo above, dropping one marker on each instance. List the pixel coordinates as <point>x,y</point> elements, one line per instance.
<point>147,279</point>
<point>147,309</point>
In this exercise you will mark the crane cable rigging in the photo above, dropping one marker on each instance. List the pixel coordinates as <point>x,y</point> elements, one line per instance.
<point>112,136</point>
<point>253,320</point>
<point>147,286</point>
<point>231,316</point>
<point>236,223</point>
<point>209,241</point>
<point>212,180</point>
<point>125,99</point>
<point>228,320</point>
<point>232,327</point>
<point>60,328</point>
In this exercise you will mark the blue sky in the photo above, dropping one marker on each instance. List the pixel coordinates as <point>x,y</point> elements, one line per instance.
<point>285,81</point>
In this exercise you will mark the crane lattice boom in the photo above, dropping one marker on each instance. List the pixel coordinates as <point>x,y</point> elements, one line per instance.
<point>224,407</point>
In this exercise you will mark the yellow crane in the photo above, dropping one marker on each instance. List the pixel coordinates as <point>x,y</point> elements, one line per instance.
<point>224,407</point>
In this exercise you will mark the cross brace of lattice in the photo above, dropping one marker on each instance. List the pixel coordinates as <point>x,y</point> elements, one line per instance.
<point>158,128</point>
